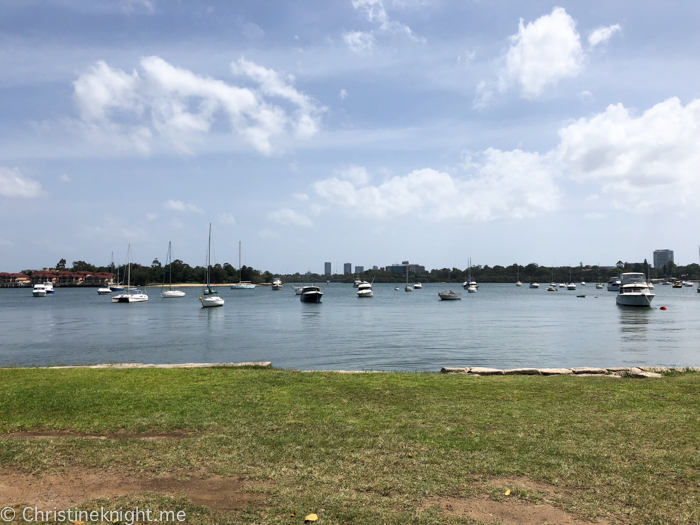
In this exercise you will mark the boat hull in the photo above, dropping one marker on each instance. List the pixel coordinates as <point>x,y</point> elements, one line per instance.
<point>211,301</point>
<point>130,298</point>
<point>104,291</point>
<point>39,293</point>
<point>365,293</point>
<point>172,294</point>
<point>242,286</point>
<point>635,299</point>
<point>449,296</point>
<point>310,296</point>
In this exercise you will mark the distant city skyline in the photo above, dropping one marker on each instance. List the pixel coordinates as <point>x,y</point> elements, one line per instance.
<point>517,132</point>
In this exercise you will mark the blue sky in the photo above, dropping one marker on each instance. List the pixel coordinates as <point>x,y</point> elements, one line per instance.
<point>365,131</point>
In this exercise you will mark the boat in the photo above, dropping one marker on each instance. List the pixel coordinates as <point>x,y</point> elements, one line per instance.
<point>276,284</point>
<point>212,298</point>
<point>130,295</point>
<point>365,289</point>
<point>356,283</point>
<point>583,283</point>
<point>241,285</point>
<point>39,290</point>
<point>297,289</point>
<point>170,293</point>
<point>408,288</point>
<point>677,284</point>
<point>614,284</point>
<point>49,287</point>
<point>104,290</point>
<point>311,294</point>
<point>449,296</point>
<point>552,288</point>
<point>417,286</point>
<point>116,287</point>
<point>517,282</point>
<point>562,285</point>
<point>687,284</point>
<point>472,289</point>
<point>634,290</point>
<point>396,288</point>
<point>666,283</point>
<point>570,285</point>
<point>470,282</point>
<point>534,285</point>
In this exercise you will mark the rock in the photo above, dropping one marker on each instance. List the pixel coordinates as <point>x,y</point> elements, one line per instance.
<point>612,376</point>
<point>653,369</point>
<point>555,371</point>
<point>588,370</point>
<point>486,371</point>
<point>617,369</point>
<point>522,372</point>
<point>453,370</point>
<point>640,374</point>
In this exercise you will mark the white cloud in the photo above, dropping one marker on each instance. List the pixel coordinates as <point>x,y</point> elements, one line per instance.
<point>541,53</point>
<point>130,6</point>
<point>252,30</point>
<point>114,228</point>
<point>343,94</point>
<point>300,196</point>
<point>180,206</point>
<point>512,184</point>
<point>359,41</point>
<point>358,175</point>
<point>484,95</point>
<point>586,96</point>
<point>227,218</point>
<point>287,216</point>
<point>640,162</point>
<point>14,184</point>
<point>130,111</point>
<point>375,13</point>
<point>602,34</point>
<point>65,178</point>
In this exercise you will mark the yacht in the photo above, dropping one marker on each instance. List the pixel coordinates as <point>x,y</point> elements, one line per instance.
<point>472,289</point>
<point>104,290</point>
<point>634,290</point>
<point>685,283</point>
<point>517,282</point>
<point>599,286</point>
<point>169,293</point>
<point>241,285</point>
<point>276,284</point>
<point>614,284</point>
<point>298,289</point>
<point>552,288</point>
<point>131,295</point>
<point>677,284</point>
<point>311,294</point>
<point>417,286</point>
<point>39,290</point>
<point>470,281</point>
<point>571,286</point>
<point>449,296</point>
<point>212,298</point>
<point>356,283</point>
<point>534,285</point>
<point>49,287</point>
<point>364,289</point>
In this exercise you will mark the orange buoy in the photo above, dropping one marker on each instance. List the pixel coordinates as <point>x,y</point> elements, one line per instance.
<point>662,308</point>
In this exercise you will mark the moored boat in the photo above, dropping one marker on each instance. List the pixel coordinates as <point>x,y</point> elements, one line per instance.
<point>614,284</point>
<point>311,294</point>
<point>104,291</point>
<point>534,285</point>
<point>130,295</point>
<point>49,287</point>
<point>276,284</point>
<point>365,289</point>
<point>170,293</point>
<point>39,290</point>
<point>634,290</point>
<point>212,298</point>
<point>449,296</point>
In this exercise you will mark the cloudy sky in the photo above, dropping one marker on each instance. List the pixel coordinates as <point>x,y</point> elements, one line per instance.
<point>362,131</point>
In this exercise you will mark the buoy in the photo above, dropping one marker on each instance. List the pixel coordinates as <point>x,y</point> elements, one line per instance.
<point>662,308</point>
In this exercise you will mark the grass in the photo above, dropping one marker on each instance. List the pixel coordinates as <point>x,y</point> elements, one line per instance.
<point>373,448</point>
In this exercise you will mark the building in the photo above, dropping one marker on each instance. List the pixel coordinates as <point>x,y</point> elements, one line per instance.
<point>375,267</point>
<point>359,269</point>
<point>327,270</point>
<point>662,258</point>
<point>401,268</point>
<point>347,269</point>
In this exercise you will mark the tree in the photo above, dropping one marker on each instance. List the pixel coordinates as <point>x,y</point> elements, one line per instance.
<point>82,266</point>
<point>61,265</point>
<point>620,264</point>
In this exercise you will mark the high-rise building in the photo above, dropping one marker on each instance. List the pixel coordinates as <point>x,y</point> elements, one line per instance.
<point>359,269</point>
<point>328,268</point>
<point>662,257</point>
<point>347,268</point>
<point>375,267</point>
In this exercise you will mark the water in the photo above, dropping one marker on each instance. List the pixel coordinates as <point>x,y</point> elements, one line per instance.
<point>501,326</point>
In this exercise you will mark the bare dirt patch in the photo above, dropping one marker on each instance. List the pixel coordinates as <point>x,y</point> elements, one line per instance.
<point>73,487</point>
<point>54,434</point>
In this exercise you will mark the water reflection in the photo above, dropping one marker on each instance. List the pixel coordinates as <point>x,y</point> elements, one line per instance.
<point>635,323</point>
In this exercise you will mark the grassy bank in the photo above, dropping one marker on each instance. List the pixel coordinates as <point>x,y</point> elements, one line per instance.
<point>373,448</point>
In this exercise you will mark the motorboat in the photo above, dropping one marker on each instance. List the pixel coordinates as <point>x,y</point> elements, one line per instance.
<point>614,284</point>
<point>688,284</point>
<point>562,285</point>
<point>534,285</point>
<point>276,284</point>
<point>130,295</point>
<point>212,299</point>
<point>417,286</point>
<point>365,289</point>
<point>517,282</point>
<point>311,294</point>
<point>472,289</point>
<point>356,284</point>
<point>552,288</point>
<point>634,290</point>
<point>297,289</point>
<point>39,290</point>
<point>449,296</point>
<point>241,285</point>
<point>571,286</point>
<point>583,283</point>
<point>408,287</point>
<point>396,288</point>
<point>666,283</point>
<point>599,286</point>
<point>116,287</point>
<point>677,284</point>
<point>470,281</point>
<point>49,287</point>
<point>170,293</point>
<point>104,290</point>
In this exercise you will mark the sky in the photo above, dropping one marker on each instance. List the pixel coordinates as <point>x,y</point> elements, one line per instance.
<point>361,131</point>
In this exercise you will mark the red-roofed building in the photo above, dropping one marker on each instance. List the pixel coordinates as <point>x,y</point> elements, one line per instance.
<point>11,280</point>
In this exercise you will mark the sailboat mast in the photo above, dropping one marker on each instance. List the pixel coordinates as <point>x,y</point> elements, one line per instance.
<point>209,256</point>
<point>170,258</point>
<point>128,257</point>
<point>240,268</point>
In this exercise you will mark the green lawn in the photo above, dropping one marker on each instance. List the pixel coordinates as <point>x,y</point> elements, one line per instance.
<point>373,448</point>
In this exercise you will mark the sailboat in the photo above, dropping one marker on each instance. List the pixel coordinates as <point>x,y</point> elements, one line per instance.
<point>170,293</point>
<point>408,287</point>
<point>132,295</point>
<point>117,286</point>
<point>518,283</point>
<point>240,285</point>
<point>212,298</point>
<point>570,285</point>
<point>470,284</point>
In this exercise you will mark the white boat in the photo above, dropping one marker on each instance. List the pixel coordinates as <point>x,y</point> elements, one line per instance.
<point>562,285</point>
<point>104,291</point>
<point>311,294</point>
<point>396,288</point>
<point>408,287</point>
<point>212,296</point>
<point>364,289</point>
<point>298,289</point>
<point>417,286</point>
<point>469,282</point>
<point>356,283</point>
<point>583,283</point>
<point>552,288</point>
<point>534,285</point>
<point>634,290</point>
<point>49,287</point>
<point>449,296</point>
<point>39,290</point>
<point>517,282</point>
<point>614,284</point>
<point>570,285</point>
<point>130,295</point>
<point>599,286</point>
<point>241,285</point>
<point>117,286</point>
<point>276,284</point>
<point>685,283</point>
<point>472,289</point>
<point>170,293</point>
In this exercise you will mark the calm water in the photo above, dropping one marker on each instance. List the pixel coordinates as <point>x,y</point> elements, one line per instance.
<point>501,326</point>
